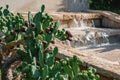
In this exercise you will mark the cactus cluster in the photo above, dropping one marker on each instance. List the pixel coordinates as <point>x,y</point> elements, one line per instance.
<point>32,39</point>
<point>10,24</point>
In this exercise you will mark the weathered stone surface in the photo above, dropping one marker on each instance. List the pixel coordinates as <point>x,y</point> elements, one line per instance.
<point>110,23</point>
<point>111,53</point>
<point>57,16</point>
<point>110,19</point>
<point>87,16</point>
<point>70,16</point>
<point>103,66</point>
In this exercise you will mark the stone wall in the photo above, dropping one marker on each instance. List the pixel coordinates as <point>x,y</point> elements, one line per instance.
<point>109,19</point>
<point>51,5</point>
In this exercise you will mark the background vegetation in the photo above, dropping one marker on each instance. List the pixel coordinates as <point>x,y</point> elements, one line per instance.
<point>109,5</point>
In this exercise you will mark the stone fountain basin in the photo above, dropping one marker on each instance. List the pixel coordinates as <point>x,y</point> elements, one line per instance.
<point>101,35</point>
<point>109,51</point>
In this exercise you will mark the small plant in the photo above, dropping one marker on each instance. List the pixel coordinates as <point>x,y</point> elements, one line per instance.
<point>31,41</point>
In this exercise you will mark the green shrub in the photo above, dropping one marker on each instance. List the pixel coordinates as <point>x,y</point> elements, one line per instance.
<point>109,5</point>
<point>100,4</point>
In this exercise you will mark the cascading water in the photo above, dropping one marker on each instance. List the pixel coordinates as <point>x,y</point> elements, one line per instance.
<point>76,24</point>
<point>82,24</point>
<point>105,36</point>
<point>88,37</point>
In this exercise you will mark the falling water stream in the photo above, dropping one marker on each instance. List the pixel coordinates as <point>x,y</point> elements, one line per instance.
<point>89,36</point>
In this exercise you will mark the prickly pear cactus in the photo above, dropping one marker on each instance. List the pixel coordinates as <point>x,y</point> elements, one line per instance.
<point>31,39</point>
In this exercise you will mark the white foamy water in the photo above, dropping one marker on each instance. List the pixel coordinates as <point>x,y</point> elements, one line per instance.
<point>89,36</point>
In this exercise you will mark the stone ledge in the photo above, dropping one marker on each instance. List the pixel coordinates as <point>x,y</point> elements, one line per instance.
<point>110,15</point>
<point>69,16</point>
<point>78,31</point>
<point>103,66</point>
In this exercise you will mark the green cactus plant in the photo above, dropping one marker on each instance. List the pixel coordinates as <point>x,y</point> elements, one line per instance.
<point>33,38</point>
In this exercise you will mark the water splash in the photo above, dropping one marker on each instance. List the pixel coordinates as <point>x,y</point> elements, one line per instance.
<point>82,24</point>
<point>93,24</point>
<point>105,37</point>
<point>89,35</point>
<point>90,38</point>
<point>76,24</point>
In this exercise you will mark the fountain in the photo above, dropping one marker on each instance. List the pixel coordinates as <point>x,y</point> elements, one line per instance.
<point>88,35</point>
